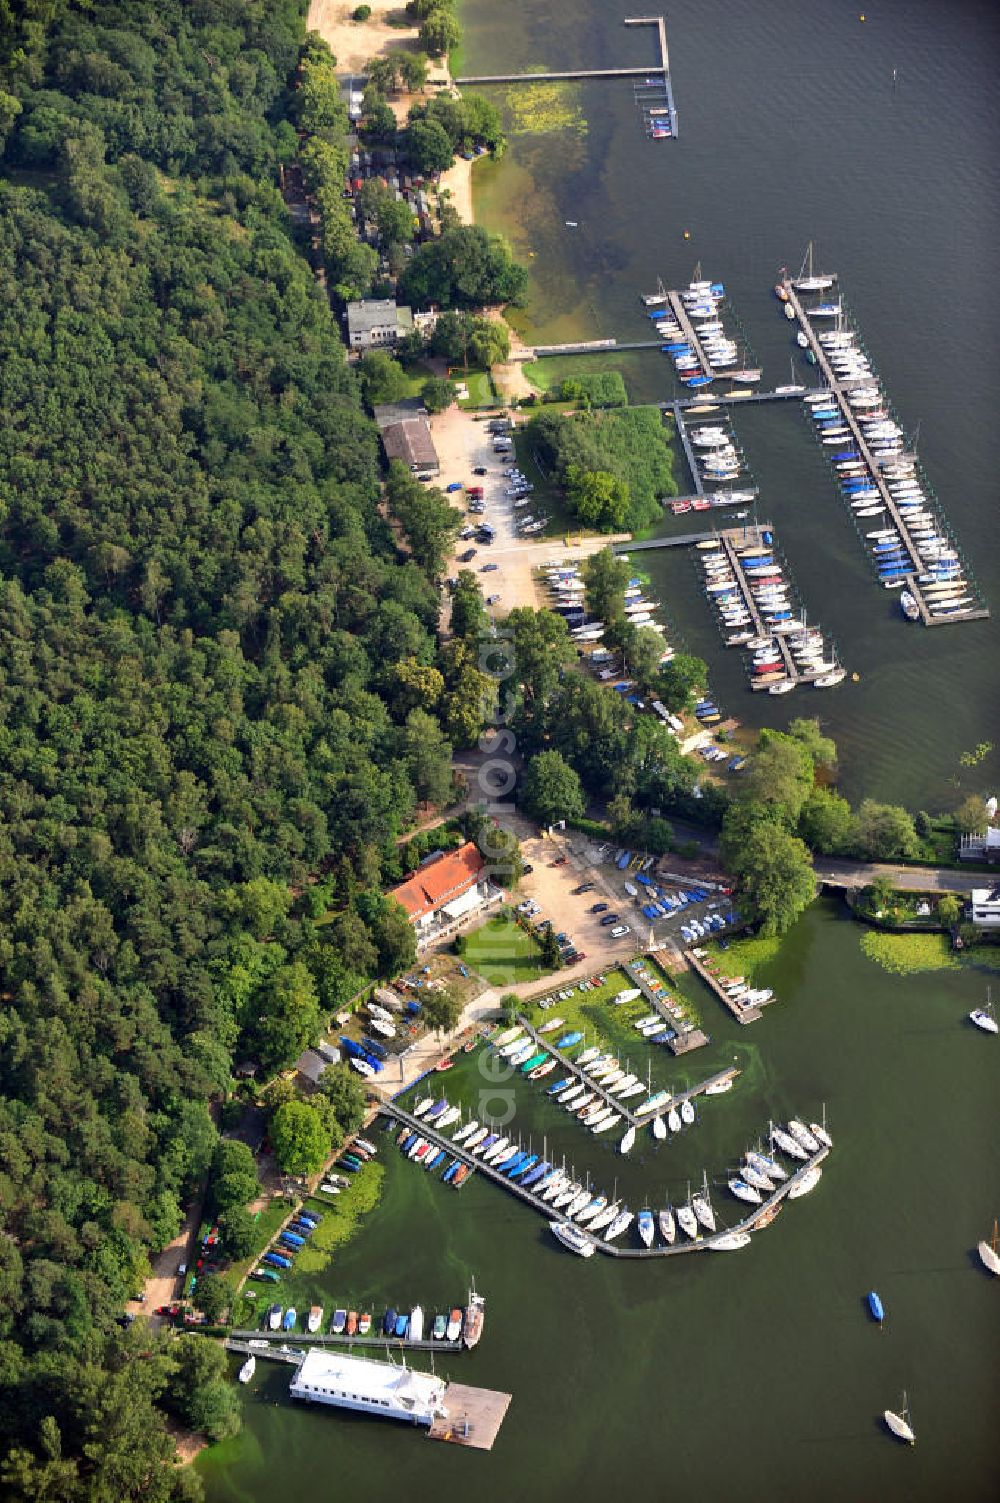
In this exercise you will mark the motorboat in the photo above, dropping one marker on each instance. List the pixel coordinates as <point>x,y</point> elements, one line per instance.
<point>417,1323</point>
<point>453,1330</point>
<point>248,1369</point>
<point>315,1318</point>
<point>573,1238</point>
<point>875,1306</point>
<point>687,1112</point>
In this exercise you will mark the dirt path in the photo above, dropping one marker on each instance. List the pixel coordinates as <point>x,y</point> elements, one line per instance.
<point>164,1283</point>
<point>354,43</point>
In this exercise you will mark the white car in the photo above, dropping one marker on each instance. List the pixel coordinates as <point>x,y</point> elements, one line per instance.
<point>620,930</point>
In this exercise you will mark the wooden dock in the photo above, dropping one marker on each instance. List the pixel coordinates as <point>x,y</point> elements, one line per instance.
<point>683,1043</point>
<point>474,1417</point>
<point>681,540</point>
<point>582,1076</point>
<point>741,1014</point>
<point>388,1344</point>
<point>659,71</point>
<point>689,454</point>
<point>680,313</point>
<point>838,392</point>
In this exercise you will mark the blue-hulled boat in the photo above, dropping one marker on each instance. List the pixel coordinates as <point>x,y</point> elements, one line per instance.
<point>436,1110</point>
<point>522,1169</point>
<point>389,1322</point>
<point>402,1325</point>
<point>509,1162</point>
<point>310,1218</point>
<point>288,1319</point>
<point>537,1174</point>
<point>436,1161</point>
<point>560,1085</point>
<point>875,1306</point>
<point>568,1040</point>
<point>293,1239</point>
<point>277,1260</point>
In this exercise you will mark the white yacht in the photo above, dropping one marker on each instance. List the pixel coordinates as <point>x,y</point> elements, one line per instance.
<point>729,1241</point>
<point>628,1141</point>
<point>899,1424</point>
<point>985,1017</point>
<point>810,1179</point>
<point>248,1369</point>
<point>573,1238</point>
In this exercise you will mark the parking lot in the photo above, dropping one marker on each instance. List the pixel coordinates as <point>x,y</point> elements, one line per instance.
<point>606,903</point>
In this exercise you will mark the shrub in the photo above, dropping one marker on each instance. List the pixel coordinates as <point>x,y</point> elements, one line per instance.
<point>361,13</point>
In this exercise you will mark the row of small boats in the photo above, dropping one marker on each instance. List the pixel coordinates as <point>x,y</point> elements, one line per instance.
<point>700,348</point>
<point>749,590</point>
<point>878,477</point>
<point>567,597</point>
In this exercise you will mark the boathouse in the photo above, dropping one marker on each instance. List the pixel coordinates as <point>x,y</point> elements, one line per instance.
<point>446,889</point>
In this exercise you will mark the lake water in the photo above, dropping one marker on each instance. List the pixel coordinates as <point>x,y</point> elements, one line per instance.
<point>791,130</point>
<point>754,1376</point>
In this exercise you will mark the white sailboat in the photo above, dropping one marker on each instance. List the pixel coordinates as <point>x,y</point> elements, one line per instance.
<point>985,1017</point>
<point>628,1141</point>
<point>659,1129</point>
<point>899,1424</point>
<point>988,1255</point>
<point>702,1206</point>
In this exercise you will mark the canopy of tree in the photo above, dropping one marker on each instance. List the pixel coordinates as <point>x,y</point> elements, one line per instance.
<point>219,680</point>
<point>464,268</point>
<point>615,466</point>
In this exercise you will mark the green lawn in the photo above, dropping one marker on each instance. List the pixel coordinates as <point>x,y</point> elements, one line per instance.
<point>503,953</point>
<point>481,389</point>
<point>612,1027</point>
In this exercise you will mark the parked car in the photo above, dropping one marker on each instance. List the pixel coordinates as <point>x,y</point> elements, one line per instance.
<point>492,599</point>
<point>479,469</point>
<point>469,553</point>
<point>488,568</point>
<point>621,931</point>
<point>528,868</point>
<point>609,918</point>
<point>584,887</point>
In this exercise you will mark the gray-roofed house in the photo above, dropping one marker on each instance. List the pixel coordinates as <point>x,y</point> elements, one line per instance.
<point>375,323</point>
<point>406,436</point>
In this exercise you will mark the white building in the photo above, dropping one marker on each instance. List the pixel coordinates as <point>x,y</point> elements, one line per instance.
<point>986,907</point>
<point>330,1377</point>
<point>376,323</point>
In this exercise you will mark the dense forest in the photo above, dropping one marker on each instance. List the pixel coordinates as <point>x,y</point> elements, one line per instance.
<point>615,467</point>
<point>220,690</point>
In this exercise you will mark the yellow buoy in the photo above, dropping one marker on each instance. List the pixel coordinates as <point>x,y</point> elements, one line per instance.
<point>687,234</point>
<point>861,17</point>
<point>855,678</point>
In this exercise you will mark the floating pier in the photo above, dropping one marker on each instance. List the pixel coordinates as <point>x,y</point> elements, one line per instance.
<point>680,313</point>
<point>683,1043</point>
<point>838,392</point>
<point>741,1014</point>
<point>388,1344</point>
<point>392,1109</point>
<point>474,1417</point>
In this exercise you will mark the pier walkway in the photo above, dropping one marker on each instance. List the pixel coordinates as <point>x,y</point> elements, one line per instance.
<point>327,1338</point>
<point>689,453</point>
<point>839,395</point>
<point>741,1014</point>
<point>682,1043</point>
<point>776,632</point>
<point>658,71</point>
<point>393,1109</point>
<point>680,313</point>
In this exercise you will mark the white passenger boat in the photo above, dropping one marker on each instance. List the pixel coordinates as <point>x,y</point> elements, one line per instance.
<point>573,1238</point>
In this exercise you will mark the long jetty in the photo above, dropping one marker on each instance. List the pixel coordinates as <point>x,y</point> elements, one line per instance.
<point>839,394</point>
<point>648,70</point>
<point>682,1043</point>
<point>689,453</point>
<point>741,1014</point>
<point>393,1109</point>
<point>680,313</point>
<point>327,1339</point>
